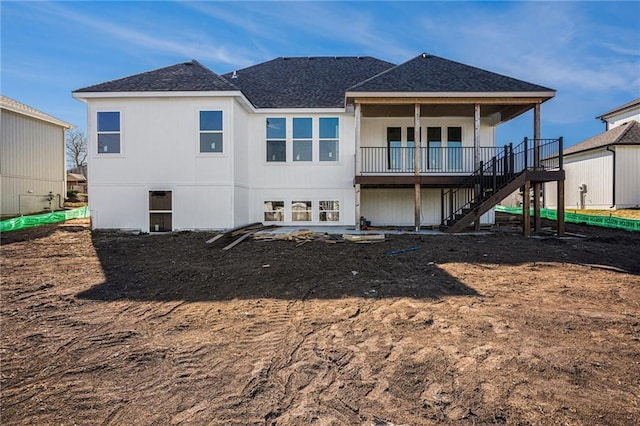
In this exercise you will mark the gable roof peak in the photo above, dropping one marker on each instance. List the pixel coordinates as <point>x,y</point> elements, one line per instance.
<point>430,73</point>
<point>184,76</point>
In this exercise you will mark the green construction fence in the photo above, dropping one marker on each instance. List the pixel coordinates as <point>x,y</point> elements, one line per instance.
<point>24,222</point>
<point>603,221</point>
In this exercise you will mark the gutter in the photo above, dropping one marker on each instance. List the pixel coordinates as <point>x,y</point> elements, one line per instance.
<point>613,190</point>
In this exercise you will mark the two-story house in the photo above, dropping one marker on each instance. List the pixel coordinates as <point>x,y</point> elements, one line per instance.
<point>302,141</point>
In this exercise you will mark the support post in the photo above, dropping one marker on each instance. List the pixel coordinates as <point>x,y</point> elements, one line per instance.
<point>560,189</point>
<point>526,205</point>
<point>476,134</point>
<point>537,186</point>
<point>358,163</point>
<point>560,211</point>
<point>416,167</point>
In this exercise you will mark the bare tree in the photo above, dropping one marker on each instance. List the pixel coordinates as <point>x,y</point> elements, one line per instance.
<point>76,145</point>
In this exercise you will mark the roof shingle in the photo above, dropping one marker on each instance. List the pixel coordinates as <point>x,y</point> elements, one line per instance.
<point>304,82</point>
<point>187,76</point>
<point>626,134</point>
<point>429,73</point>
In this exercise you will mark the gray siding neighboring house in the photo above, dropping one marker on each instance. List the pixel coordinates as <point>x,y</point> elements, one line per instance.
<point>602,172</point>
<point>32,159</point>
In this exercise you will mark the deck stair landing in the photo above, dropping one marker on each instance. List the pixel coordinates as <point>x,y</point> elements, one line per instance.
<point>493,181</point>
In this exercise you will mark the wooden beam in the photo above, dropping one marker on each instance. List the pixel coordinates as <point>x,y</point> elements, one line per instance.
<point>560,195</point>
<point>476,134</point>
<point>536,164</point>
<point>526,205</point>
<point>358,165</point>
<point>416,167</point>
<point>448,100</point>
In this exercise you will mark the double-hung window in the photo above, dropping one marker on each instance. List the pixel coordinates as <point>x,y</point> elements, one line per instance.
<point>329,138</point>
<point>276,139</point>
<point>302,139</point>
<point>109,132</point>
<point>211,139</point>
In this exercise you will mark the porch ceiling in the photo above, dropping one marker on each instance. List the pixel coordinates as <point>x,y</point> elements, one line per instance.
<point>444,110</point>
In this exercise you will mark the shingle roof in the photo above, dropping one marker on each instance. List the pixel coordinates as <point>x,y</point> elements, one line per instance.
<point>20,108</point>
<point>633,103</point>
<point>626,134</point>
<point>429,73</point>
<point>187,76</point>
<point>304,82</point>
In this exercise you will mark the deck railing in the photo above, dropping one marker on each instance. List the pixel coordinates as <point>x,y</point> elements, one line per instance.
<point>492,175</point>
<point>392,160</point>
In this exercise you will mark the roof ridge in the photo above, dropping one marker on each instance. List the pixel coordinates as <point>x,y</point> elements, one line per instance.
<point>629,125</point>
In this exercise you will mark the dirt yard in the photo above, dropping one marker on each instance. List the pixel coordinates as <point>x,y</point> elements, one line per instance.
<point>113,329</point>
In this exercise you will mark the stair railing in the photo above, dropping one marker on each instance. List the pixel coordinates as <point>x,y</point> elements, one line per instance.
<point>498,172</point>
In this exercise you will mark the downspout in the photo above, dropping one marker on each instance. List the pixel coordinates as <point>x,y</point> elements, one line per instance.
<point>613,190</point>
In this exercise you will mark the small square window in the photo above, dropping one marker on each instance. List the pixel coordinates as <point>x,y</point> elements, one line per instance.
<point>276,151</point>
<point>210,142</point>
<point>210,120</point>
<point>302,150</point>
<point>329,150</point>
<point>109,121</point>
<point>329,211</point>
<point>301,211</point>
<point>274,211</point>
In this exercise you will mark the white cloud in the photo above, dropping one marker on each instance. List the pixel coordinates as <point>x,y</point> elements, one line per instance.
<point>192,46</point>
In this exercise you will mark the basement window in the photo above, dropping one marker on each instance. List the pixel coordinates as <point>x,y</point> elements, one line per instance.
<point>301,211</point>
<point>211,131</point>
<point>160,211</point>
<point>108,132</point>
<point>274,211</point>
<point>329,211</point>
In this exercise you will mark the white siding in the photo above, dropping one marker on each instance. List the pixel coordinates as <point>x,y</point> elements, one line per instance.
<point>302,181</point>
<point>32,160</point>
<point>592,168</point>
<point>160,151</point>
<point>627,176</point>
<point>625,117</point>
<point>395,206</point>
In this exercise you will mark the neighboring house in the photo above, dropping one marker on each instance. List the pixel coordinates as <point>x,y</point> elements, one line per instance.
<point>602,172</point>
<point>622,114</point>
<point>76,182</point>
<point>32,159</point>
<point>299,141</point>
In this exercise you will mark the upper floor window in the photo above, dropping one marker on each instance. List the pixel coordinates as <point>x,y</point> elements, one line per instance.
<point>211,131</point>
<point>329,138</point>
<point>108,132</point>
<point>302,139</point>
<point>276,139</point>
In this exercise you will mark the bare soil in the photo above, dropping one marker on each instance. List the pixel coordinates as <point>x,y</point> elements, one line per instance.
<point>114,328</point>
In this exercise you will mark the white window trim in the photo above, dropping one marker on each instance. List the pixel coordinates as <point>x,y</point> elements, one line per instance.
<point>315,211</point>
<point>95,132</point>
<point>225,139</point>
<point>315,142</point>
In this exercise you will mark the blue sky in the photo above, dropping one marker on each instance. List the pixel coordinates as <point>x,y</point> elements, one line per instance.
<point>588,51</point>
